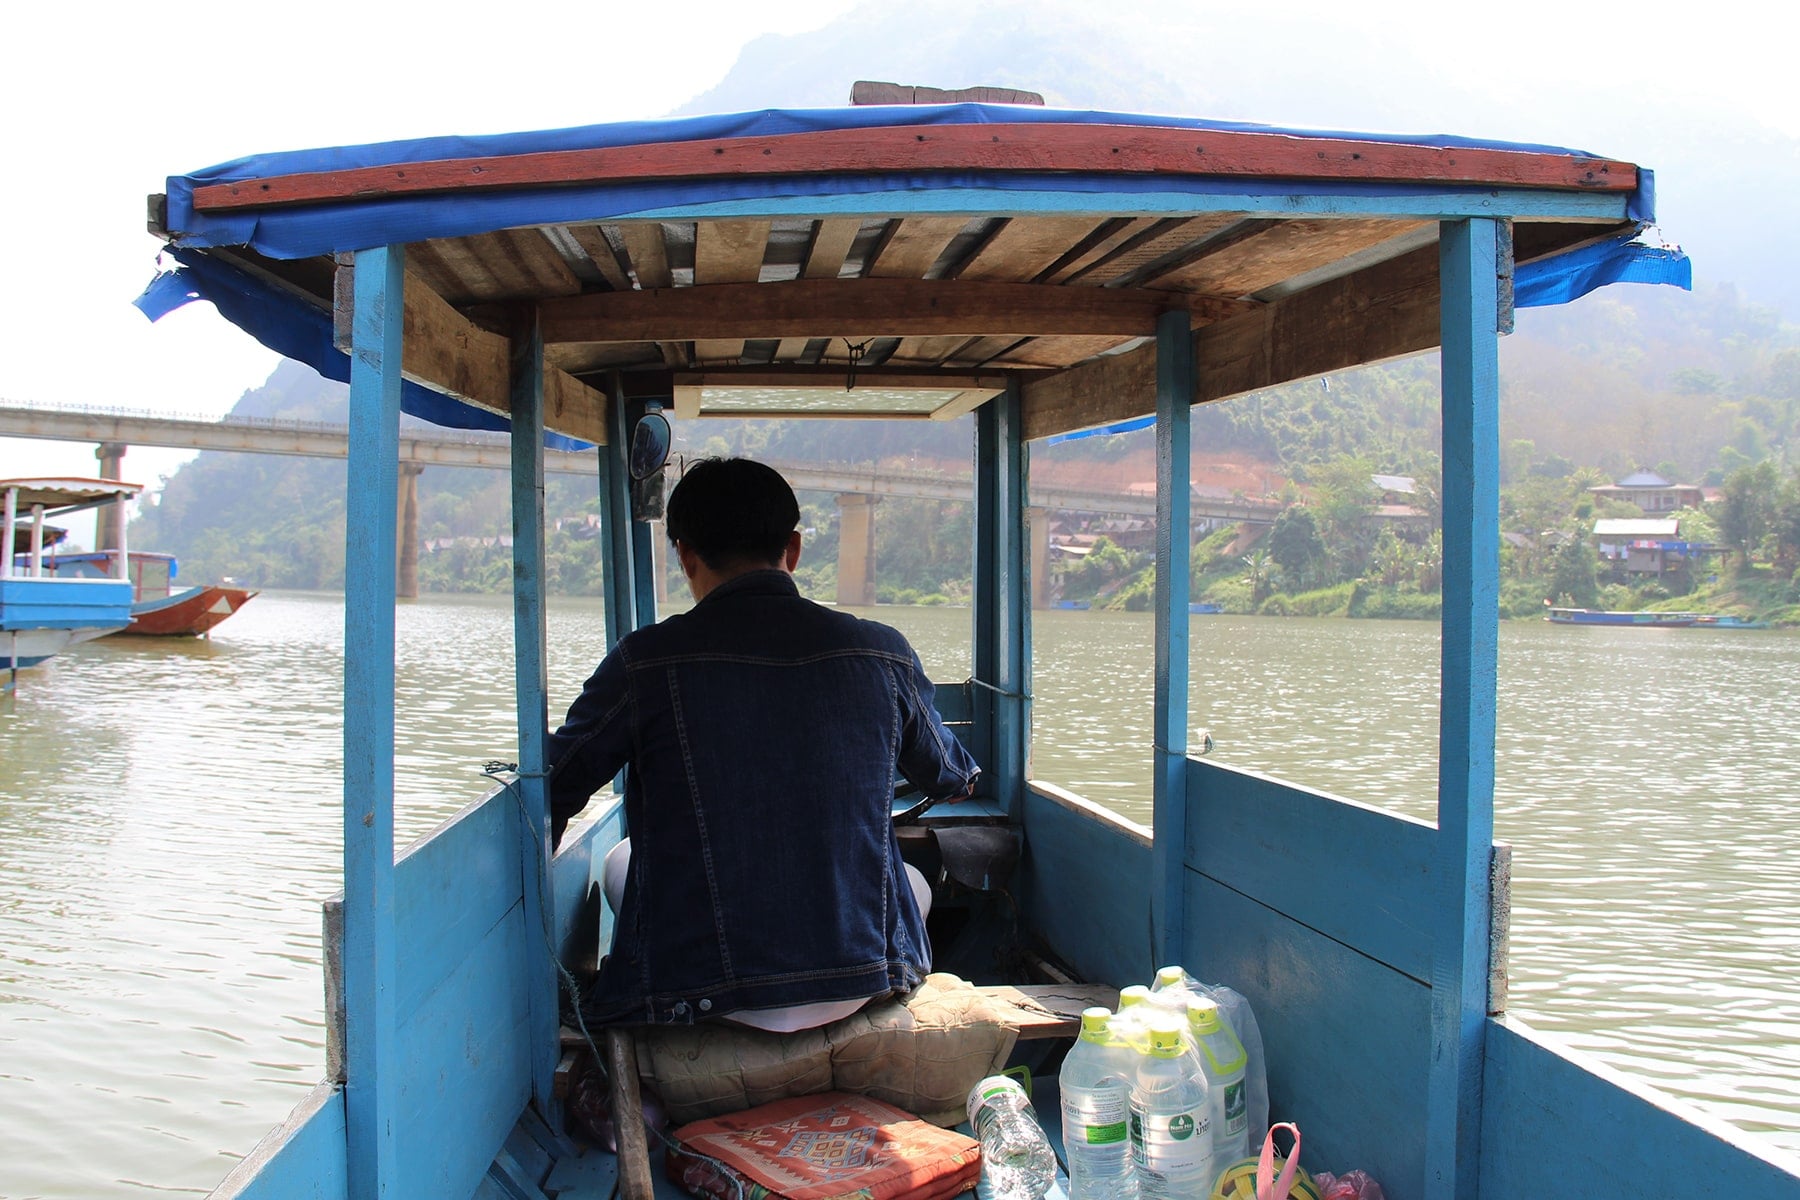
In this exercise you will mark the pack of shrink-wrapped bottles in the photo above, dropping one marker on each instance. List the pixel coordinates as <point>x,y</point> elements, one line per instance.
<point>1159,1100</point>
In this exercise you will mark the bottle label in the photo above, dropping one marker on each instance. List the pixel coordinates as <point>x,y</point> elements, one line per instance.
<point>1235,1117</point>
<point>1173,1150</point>
<point>1095,1116</point>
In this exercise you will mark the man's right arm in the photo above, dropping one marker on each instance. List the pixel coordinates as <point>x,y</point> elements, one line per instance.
<point>592,745</point>
<point>931,758</point>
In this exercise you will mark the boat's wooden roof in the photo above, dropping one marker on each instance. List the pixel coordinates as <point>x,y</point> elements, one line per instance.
<point>776,303</point>
<point>63,491</point>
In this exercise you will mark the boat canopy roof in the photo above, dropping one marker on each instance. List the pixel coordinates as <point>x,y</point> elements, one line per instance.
<point>59,493</point>
<point>890,260</point>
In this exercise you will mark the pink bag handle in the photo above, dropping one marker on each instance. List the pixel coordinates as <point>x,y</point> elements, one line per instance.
<point>1268,1187</point>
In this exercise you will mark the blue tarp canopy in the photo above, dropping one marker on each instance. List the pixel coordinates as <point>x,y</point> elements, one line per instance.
<point>289,324</point>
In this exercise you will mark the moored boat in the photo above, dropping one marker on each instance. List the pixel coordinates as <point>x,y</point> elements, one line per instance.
<point>40,614</point>
<point>158,609</point>
<point>1093,268</point>
<point>1650,620</point>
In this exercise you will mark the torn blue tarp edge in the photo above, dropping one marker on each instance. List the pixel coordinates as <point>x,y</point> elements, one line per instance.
<point>295,329</point>
<point>1572,275</point>
<point>1554,280</point>
<point>362,223</point>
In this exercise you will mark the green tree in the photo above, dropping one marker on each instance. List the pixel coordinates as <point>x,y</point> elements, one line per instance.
<point>1294,544</point>
<point>1575,579</point>
<point>1746,508</point>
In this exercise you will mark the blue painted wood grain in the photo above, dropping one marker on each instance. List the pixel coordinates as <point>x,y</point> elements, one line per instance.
<point>1346,1037</point>
<point>465,1065</point>
<point>1558,1123</point>
<point>531,691</point>
<point>975,201</point>
<point>1175,390</point>
<point>377,324</point>
<point>303,1158</point>
<point>64,603</point>
<point>1085,886</point>
<point>1468,275</point>
<point>1350,872</point>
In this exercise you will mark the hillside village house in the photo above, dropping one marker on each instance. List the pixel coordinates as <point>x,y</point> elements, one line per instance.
<point>1642,547</point>
<point>1651,492</point>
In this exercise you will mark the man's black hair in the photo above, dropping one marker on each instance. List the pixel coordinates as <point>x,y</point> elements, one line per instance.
<point>732,511</point>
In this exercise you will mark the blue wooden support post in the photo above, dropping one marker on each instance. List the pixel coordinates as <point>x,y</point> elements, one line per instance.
<point>531,687</point>
<point>371,1058</point>
<point>615,520</point>
<point>1467,269</point>
<point>1002,653</point>
<point>1175,389</point>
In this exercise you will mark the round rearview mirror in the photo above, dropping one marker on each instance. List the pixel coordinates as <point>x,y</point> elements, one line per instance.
<point>650,442</point>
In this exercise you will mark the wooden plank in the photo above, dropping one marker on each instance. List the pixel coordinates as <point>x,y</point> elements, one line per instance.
<point>962,404</point>
<point>1158,241</point>
<point>868,91</point>
<point>1325,1013</point>
<point>1381,312</point>
<point>1551,1114</point>
<point>833,375</point>
<point>1085,885</point>
<point>832,239</point>
<point>1175,385</point>
<point>1103,149</point>
<point>1025,247</point>
<point>600,252</point>
<point>725,252</point>
<point>303,1157</point>
<point>648,253</point>
<point>545,270</point>
<point>1279,251</point>
<point>1042,1011</point>
<point>913,246</point>
<point>1094,248</point>
<point>635,1182</point>
<point>1265,840</point>
<point>853,308</point>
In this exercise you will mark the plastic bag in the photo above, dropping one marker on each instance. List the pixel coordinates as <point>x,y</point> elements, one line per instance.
<point>1351,1185</point>
<point>1236,1012</point>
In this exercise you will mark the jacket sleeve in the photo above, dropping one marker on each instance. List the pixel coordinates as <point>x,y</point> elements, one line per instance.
<point>931,758</point>
<point>592,745</point>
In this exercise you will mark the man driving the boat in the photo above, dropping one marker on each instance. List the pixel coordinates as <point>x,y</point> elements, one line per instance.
<point>762,881</point>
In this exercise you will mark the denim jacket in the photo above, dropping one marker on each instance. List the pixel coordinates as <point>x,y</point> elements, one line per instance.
<point>763,733</point>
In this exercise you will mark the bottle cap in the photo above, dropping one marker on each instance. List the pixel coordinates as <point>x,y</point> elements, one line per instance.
<point>1167,977</point>
<point>1093,1024</point>
<point>1203,1015</point>
<point>1137,993</point>
<point>1165,1040</point>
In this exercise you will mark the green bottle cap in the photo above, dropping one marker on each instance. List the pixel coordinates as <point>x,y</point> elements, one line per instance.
<point>1203,1016</point>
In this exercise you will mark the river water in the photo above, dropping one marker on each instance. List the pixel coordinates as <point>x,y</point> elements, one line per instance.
<point>169,821</point>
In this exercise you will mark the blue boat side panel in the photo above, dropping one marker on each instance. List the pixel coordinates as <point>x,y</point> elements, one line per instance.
<point>1555,1123</point>
<point>451,888</point>
<point>1355,874</point>
<point>1345,1035</point>
<point>64,603</point>
<point>300,1159</point>
<point>1085,886</point>
<point>465,1058</point>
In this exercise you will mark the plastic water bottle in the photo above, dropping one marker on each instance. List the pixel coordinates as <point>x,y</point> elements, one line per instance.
<point>1128,1022</point>
<point>1172,991</point>
<point>1016,1160</point>
<point>1171,1119</point>
<point>1222,1058</point>
<point>1096,1078</point>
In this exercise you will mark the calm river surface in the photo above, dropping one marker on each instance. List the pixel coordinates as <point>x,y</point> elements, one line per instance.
<point>169,822</point>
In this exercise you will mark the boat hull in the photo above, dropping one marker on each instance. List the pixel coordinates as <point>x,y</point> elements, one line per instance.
<point>23,648</point>
<point>187,614</point>
<point>1652,620</point>
<point>41,617</point>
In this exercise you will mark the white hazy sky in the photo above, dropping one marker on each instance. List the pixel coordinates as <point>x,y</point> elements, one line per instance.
<point>102,101</point>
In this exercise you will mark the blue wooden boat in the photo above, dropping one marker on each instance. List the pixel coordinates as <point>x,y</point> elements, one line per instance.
<point>1642,620</point>
<point>1050,272</point>
<point>40,614</point>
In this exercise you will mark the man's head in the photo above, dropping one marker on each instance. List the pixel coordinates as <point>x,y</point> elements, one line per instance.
<point>733,513</point>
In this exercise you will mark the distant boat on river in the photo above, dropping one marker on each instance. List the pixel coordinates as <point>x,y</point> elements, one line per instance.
<point>157,609</point>
<point>1655,620</point>
<point>42,614</point>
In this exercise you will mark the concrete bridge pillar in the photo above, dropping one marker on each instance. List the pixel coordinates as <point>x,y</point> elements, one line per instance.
<point>406,571</point>
<point>659,563</point>
<point>109,519</point>
<point>1038,546</point>
<point>856,550</point>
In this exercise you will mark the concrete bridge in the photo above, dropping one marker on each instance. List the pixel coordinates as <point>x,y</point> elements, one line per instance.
<point>859,487</point>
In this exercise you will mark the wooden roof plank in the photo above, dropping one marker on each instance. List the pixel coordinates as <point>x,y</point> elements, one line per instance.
<point>727,252</point>
<point>1279,251</point>
<point>1157,242</point>
<point>1098,148</point>
<point>593,243</point>
<point>831,244</point>
<point>455,270</point>
<point>914,246</point>
<point>1025,246</point>
<point>1102,242</point>
<point>542,264</point>
<point>1381,312</point>
<point>853,308</point>
<point>649,256</point>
